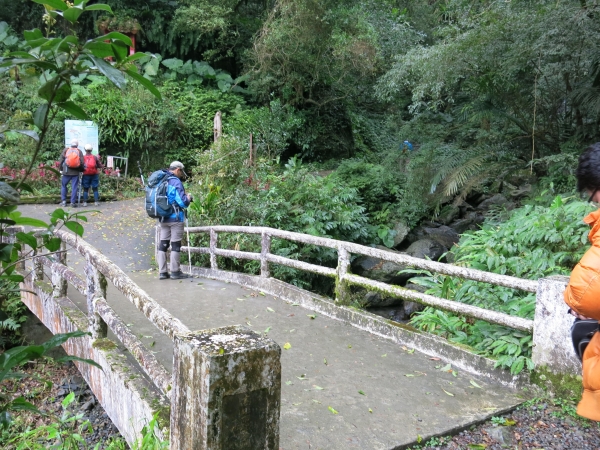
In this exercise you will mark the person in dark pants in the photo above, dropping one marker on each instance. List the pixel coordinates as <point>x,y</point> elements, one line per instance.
<point>71,164</point>
<point>171,228</point>
<point>90,176</point>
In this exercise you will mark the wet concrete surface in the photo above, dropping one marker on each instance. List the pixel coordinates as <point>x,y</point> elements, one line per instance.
<point>341,387</point>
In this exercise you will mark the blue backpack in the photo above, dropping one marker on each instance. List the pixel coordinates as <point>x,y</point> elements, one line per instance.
<point>157,203</point>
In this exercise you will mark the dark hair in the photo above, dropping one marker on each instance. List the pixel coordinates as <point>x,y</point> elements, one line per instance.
<point>588,169</point>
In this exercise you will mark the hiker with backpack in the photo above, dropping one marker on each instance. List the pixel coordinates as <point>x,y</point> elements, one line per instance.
<point>167,201</point>
<point>71,165</point>
<point>90,176</point>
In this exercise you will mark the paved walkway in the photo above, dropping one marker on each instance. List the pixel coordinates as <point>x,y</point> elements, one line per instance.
<point>341,387</point>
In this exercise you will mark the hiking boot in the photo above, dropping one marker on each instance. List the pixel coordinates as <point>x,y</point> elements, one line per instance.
<point>179,275</point>
<point>84,204</point>
<point>96,204</point>
<point>63,203</point>
<point>73,205</point>
<point>163,276</point>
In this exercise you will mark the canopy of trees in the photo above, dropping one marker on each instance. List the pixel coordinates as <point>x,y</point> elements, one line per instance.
<point>482,88</point>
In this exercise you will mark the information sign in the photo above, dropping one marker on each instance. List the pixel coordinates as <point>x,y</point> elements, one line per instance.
<point>85,131</point>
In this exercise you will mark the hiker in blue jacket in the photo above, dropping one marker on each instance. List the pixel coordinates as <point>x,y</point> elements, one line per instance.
<point>406,147</point>
<point>172,227</point>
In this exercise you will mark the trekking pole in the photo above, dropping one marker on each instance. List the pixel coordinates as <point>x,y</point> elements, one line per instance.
<point>141,174</point>
<point>79,190</point>
<point>189,244</point>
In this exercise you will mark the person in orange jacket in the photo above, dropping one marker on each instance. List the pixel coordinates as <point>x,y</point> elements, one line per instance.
<point>583,291</point>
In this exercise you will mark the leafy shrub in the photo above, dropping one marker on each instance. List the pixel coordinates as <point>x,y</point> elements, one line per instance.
<point>292,199</point>
<point>274,128</point>
<point>377,185</point>
<point>537,241</point>
<point>197,106</point>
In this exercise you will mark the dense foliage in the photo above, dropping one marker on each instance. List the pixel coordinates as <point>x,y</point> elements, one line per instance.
<point>536,241</point>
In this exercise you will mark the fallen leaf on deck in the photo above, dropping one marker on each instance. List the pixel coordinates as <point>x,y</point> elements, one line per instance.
<point>475,384</point>
<point>332,410</point>
<point>287,346</point>
<point>449,393</point>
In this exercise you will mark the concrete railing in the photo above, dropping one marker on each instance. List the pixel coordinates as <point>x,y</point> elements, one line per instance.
<point>550,327</point>
<point>212,369</point>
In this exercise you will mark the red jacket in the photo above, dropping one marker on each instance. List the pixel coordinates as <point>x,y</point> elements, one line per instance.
<point>583,296</point>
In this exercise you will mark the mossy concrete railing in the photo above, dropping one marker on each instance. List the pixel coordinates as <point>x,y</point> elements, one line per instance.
<point>550,327</point>
<point>212,369</point>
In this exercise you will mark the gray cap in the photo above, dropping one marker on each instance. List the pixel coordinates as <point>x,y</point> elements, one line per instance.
<point>177,165</point>
<point>74,143</point>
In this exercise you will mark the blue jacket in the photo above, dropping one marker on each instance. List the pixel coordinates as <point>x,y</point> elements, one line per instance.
<point>178,198</point>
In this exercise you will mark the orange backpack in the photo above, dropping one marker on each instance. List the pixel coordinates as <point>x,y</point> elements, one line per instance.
<point>72,158</point>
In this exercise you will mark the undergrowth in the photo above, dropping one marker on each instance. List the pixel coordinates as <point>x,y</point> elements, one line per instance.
<point>536,241</point>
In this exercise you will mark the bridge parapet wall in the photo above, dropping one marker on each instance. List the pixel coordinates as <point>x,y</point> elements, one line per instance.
<point>226,383</point>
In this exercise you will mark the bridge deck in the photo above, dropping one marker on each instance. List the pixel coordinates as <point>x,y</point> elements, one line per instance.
<point>341,387</point>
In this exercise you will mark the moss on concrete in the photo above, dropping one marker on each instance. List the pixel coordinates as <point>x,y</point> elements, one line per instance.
<point>104,344</point>
<point>561,385</point>
<point>44,286</point>
<point>404,326</point>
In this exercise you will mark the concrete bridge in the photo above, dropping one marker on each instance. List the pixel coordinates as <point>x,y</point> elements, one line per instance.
<point>272,366</point>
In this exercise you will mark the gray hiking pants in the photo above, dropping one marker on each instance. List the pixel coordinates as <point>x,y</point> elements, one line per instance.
<point>170,233</point>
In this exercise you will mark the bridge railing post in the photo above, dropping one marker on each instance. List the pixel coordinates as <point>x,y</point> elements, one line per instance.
<point>226,391</point>
<point>212,248</point>
<point>342,288</point>
<point>264,251</point>
<point>552,347</point>
<point>38,267</point>
<point>96,288</point>
<point>60,284</point>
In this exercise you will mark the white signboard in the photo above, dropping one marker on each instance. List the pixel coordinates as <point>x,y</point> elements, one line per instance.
<point>85,131</point>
